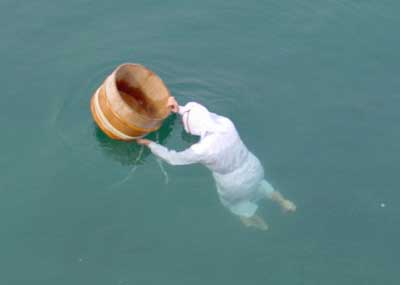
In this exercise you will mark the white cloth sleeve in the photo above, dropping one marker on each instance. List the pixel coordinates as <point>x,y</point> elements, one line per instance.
<point>187,156</point>
<point>181,110</point>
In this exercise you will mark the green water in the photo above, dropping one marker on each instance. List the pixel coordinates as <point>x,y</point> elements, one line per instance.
<point>312,87</point>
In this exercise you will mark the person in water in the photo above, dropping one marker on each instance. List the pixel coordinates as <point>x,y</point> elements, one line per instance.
<point>238,174</point>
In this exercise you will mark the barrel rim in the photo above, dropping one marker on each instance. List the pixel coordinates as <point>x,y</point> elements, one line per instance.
<point>144,117</point>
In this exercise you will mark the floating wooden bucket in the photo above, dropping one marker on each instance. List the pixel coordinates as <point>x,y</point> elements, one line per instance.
<point>130,103</point>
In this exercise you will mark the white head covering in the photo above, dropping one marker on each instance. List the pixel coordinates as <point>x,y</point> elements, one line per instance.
<point>198,121</point>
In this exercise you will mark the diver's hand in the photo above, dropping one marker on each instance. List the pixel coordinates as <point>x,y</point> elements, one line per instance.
<point>172,104</point>
<point>145,142</point>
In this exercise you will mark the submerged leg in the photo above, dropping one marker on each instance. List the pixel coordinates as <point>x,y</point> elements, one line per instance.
<point>286,205</point>
<point>276,196</point>
<point>254,221</point>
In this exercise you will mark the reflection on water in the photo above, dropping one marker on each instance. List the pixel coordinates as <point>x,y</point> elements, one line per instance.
<point>130,153</point>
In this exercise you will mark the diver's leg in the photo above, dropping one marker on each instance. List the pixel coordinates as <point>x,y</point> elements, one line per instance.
<point>276,196</point>
<point>286,205</point>
<point>254,221</point>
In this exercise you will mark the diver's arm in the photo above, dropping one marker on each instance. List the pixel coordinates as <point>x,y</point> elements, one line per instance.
<point>173,157</point>
<point>181,110</point>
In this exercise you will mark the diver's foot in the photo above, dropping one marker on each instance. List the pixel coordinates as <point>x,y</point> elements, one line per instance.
<point>288,206</point>
<point>255,222</point>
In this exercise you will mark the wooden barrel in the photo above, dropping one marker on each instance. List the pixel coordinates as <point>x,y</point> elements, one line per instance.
<point>130,103</point>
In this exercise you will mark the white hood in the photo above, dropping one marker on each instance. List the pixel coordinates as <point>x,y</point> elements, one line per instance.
<point>198,121</point>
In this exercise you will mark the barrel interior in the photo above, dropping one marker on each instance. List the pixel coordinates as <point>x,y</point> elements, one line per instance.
<point>143,91</point>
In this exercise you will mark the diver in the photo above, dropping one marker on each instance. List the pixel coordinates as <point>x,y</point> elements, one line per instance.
<point>238,174</point>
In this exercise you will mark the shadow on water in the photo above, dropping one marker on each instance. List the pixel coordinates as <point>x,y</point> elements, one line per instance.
<point>188,138</point>
<point>130,153</point>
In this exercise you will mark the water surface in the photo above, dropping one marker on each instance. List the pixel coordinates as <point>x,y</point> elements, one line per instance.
<point>312,87</point>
